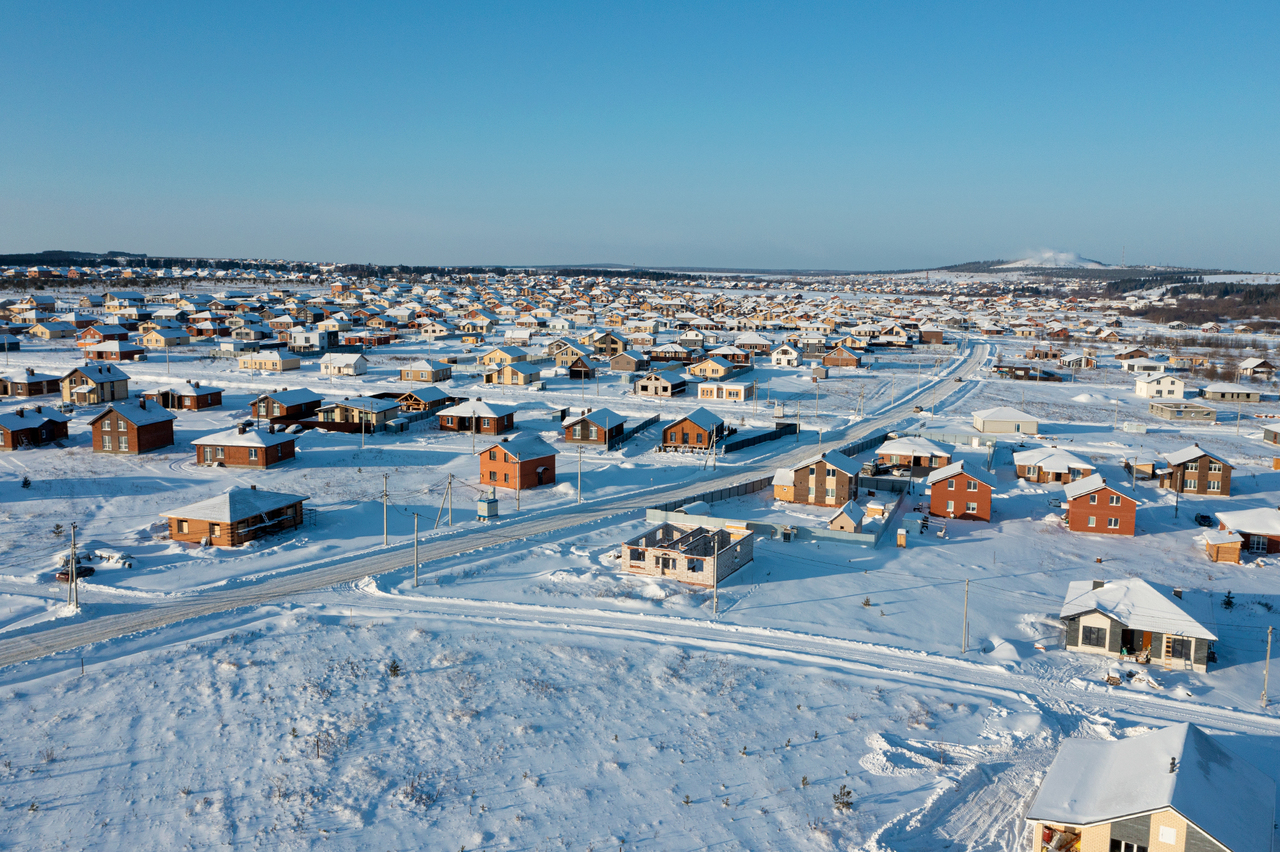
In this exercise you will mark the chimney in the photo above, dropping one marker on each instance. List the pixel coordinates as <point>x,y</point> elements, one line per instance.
<point>240,429</point>
<point>253,488</point>
<point>1177,593</point>
<point>1098,584</point>
<point>39,409</point>
<point>22,412</point>
<point>1173,765</point>
<point>142,403</point>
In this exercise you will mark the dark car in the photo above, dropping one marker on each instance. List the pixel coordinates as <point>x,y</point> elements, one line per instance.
<point>64,576</point>
<point>1205,520</point>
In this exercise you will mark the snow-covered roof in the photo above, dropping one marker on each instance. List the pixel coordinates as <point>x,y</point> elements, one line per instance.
<point>1138,605</point>
<point>250,438</point>
<point>100,373</point>
<point>238,504</point>
<point>1191,453</point>
<point>31,419</point>
<point>851,510</point>
<point>1227,387</point>
<point>136,414</point>
<point>702,418</point>
<point>1225,796</point>
<point>912,446</point>
<point>958,467</point>
<point>294,397</point>
<point>342,359</point>
<point>599,416</point>
<point>1003,412</point>
<point>476,408</point>
<point>1264,521</point>
<point>429,366</point>
<point>837,460</point>
<point>1088,485</point>
<point>1051,459</point>
<point>523,447</point>
<point>365,403</point>
<point>782,476</point>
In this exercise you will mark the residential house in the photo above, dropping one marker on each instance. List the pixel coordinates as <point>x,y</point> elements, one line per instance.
<point>1051,464</point>
<point>100,334</point>
<point>1004,420</point>
<point>1145,365</point>
<point>52,330</point>
<point>1192,470</point>
<point>130,428</point>
<point>357,414</point>
<point>287,406</point>
<point>785,355</point>
<point>94,384</point>
<point>829,479</point>
<point>245,447</point>
<point>236,517</point>
<point>919,455</point>
<point>690,553</point>
<point>714,368</point>
<point>28,383</point>
<point>1132,619</point>
<point>163,338</point>
<point>518,463</point>
<point>115,350</point>
<point>848,518</point>
<point>1177,789</point>
<point>191,396</point>
<point>596,426</point>
<point>343,364</point>
<point>842,356</point>
<point>583,369</point>
<point>477,416</point>
<point>1159,386</point>
<point>700,430</point>
<point>503,355</point>
<point>1230,392</point>
<point>957,492</point>
<point>661,383</point>
<point>1259,529</point>
<point>1177,411</point>
<point>429,400</point>
<point>727,391</point>
<point>514,373</point>
<point>631,361</point>
<point>1258,368</point>
<point>270,362</point>
<point>31,427</point>
<point>426,371</point>
<point>1094,507</point>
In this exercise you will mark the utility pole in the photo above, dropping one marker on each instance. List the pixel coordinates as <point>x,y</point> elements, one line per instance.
<point>384,510</point>
<point>73,590</point>
<point>579,474</point>
<point>448,489</point>
<point>1266,671</point>
<point>715,578</point>
<point>415,550</point>
<point>964,637</point>
<point>1239,414</point>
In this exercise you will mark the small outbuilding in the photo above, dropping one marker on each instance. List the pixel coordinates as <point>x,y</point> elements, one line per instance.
<point>1004,420</point>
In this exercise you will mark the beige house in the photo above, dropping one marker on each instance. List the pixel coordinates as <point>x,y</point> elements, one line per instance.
<point>270,362</point>
<point>1177,789</point>
<point>162,338</point>
<point>1132,620</point>
<point>1005,420</point>
<point>94,384</point>
<point>503,355</point>
<point>516,373</point>
<point>690,553</point>
<point>426,371</point>
<point>727,391</point>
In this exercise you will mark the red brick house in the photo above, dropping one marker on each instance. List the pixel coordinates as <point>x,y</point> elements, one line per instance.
<point>287,406</point>
<point>1195,471</point>
<point>31,427</point>
<point>598,426</point>
<point>955,492</point>
<point>698,430</point>
<point>841,356</point>
<point>188,397</point>
<point>115,350</point>
<point>101,334</point>
<point>477,416</point>
<point>241,447</point>
<point>130,428</point>
<point>1094,507</point>
<point>28,383</point>
<point>231,519</point>
<point>518,464</point>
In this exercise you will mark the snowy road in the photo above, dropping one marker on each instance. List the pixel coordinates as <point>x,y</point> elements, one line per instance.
<point>52,637</point>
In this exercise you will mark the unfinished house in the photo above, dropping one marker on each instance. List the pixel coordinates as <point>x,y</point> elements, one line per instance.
<point>690,553</point>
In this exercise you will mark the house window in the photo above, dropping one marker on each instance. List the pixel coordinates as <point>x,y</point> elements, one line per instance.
<point>1115,500</point>
<point>124,442</point>
<point>493,455</point>
<point>831,493</point>
<point>1190,483</point>
<point>215,530</point>
<point>106,424</point>
<point>506,458</point>
<point>577,432</point>
<point>813,471</point>
<point>673,437</point>
<point>695,566</point>
<point>1215,467</point>
<point>972,485</point>
<point>700,436</point>
<point>106,442</point>
<point>1093,522</point>
<point>485,422</point>
<point>275,409</point>
<point>1113,523</point>
<point>1180,648</point>
<point>1093,636</point>
<point>219,452</point>
<point>1215,485</point>
<point>493,476</point>
<point>253,454</point>
<point>182,526</point>
<point>208,454</point>
<point>1093,498</point>
<point>951,485</point>
<point>594,433</point>
<point>506,477</point>
<point>119,424</point>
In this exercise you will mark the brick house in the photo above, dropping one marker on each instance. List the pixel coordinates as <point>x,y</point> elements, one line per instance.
<point>1177,789</point>
<point>1259,529</point>
<point>94,384</point>
<point>477,416</point>
<point>596,426</point>
<point>841,356</point>
<point>697,430</point>
<point>426,371</point>
<point>233,518</point>
<point>520,463</point>
<point>115,350</point>
<point>287,406</point>
<point>241,447</point>
<point>829,479</point>
<point>920,455</point>
<point>188,397</point>
<point>31,427</point>
<point>130,428</point>
<point>690,553</point>
<point>955,492</point>
<point>1094,507</point>
<point>1195,471</point>
<point>100,334</point>
<point>28,383</point>
<point>1050,464</point>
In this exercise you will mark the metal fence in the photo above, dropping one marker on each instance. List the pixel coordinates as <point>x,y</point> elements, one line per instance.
<point>752,440</point>
<point>631,433</point>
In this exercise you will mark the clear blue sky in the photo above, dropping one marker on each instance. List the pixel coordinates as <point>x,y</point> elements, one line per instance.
<point>782,135</point>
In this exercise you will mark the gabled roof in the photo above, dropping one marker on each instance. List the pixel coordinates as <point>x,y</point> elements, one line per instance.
<point>912,446</point>
<point>100,373</point>
<point>476,408</point>
<point>1052,459</point>
<point>365,403</point>
<point>524,447</point>
<point>1264,521</point>
<point>136,414</point>
<point>250,438</point>
<point>838,460</point>
<point>428,366</point>
<point>956,468</point>
<point>1004,412</point>
<point>702,418</point>
<point>601,417</point>
<point>238,504</point>
<point>1191,453</point>
<point>427,394</point>
<point>1097,781</point>
<point>1138,605</point>
<point>1088,485</point>
<point>31,419</point>
<point>851,510</point>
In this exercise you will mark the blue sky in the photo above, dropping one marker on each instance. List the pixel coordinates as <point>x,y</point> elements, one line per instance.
<point>846,136</point>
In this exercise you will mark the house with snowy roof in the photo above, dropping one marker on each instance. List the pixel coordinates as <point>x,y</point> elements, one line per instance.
<point>1050,464</point>
<point>1177,789</point>
<point>233,518</point>
<point>1095,507</point>
<point>918,454</point>
<point>1005,420</point>
<point>1136,620</point>
<point>697,430</point>
<point>132,427</point>
<point>1259,529</point>
<point>828,479</point>
<point>1192,470</point>
<point>957,491</point>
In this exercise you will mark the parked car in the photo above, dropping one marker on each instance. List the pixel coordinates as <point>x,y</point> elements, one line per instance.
<point>1205,520</point>
<point>64,576</point>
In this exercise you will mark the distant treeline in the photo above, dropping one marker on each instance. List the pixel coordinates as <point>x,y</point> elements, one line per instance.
<point>1128,285</point>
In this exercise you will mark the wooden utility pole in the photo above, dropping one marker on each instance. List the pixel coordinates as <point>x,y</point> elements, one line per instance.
<point>715,577</point>
<point>73,588</point>
<point>1266,671</point>
<point>580,474</point>
<point>415,550</point>
<point>964,636</point>
<point>384,510</point>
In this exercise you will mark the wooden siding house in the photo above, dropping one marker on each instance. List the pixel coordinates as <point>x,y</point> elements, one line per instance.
<point>698,430</point>
<point>188,397</point>
<point>233,518</point>
<point>426,371</point>
<point>596,426</point>
<point>287,406</point>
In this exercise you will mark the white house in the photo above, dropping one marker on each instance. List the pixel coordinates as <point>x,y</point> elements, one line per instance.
<point>340,364</point>
<point>1004,419</point>
<point>785,355</point>
<point>1159,386</point>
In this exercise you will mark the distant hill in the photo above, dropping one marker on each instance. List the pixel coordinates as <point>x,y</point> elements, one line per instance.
<point>1054,260</point>
<point>58,257</point>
